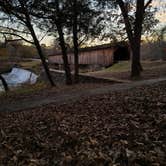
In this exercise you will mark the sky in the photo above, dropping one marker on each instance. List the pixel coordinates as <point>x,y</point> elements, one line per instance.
<point>160,15</point>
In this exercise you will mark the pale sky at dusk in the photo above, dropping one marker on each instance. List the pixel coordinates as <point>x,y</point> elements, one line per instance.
<point>161,15</point>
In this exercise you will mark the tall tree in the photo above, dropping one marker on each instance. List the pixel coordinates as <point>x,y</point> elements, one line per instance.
<point>21,9</point>
<point>75,41</point>
<point>137,16</point>
<point>74,21</point>
<point>83,23</point>
<point>52,15</point>
<point>134,31</point>
<point>134,35</point>
<point>59,25</point>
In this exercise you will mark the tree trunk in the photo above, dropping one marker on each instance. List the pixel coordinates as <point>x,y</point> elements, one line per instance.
<point>76,61</point>
<point>5,85</point>
<point>62,44</point>
<point>64,55</point>
<point>134,36</point>
<point>39,49</point>
<point>75,42</point>
<point>128,26</point>
<point>136,43</point>
<point>136,65</point>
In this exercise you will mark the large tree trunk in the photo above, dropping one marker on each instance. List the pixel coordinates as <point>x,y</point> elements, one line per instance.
<point>39,49</point>
<point>134,36</point>
<point>136,42</point>
<point>64,55</point>
<point>63,45</point>
<point>5,85</point>
<point>76,60</point>
<point>43,59</point>
<point>136,68</point>
<point>136,65</point>
<point>75,42</point>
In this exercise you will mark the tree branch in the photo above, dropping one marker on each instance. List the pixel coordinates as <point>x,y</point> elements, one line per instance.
<point>126,19</point>
<point>14,30</point>
<point>147,4</point>
<point>43,36</point>
<point>13,34</point>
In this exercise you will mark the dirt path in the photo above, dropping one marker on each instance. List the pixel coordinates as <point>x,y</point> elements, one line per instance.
<point>74,96</point>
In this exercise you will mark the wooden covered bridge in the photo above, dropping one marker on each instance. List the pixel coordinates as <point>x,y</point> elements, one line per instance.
<point>103,55</point>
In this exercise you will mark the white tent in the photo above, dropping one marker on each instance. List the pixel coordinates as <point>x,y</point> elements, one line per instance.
<point>18,77</point>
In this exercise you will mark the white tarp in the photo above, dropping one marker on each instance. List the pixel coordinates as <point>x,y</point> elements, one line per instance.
<point>19,76</point>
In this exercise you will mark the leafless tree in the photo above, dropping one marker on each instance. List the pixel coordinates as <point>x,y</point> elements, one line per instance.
<point>21,9</point>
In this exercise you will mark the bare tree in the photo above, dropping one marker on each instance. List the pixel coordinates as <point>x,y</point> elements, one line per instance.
<point>52,15</point>
<point>134,33</point>
<point>21,10</point>
<point>75,41</point>
<point>58,22</point>
<point>82,24</point>
<point>138,18</point>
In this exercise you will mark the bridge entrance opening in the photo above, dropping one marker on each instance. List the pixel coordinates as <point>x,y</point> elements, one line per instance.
<point>121,53</point>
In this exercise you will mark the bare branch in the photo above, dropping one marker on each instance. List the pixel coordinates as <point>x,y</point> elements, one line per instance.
<point>126,19</point>
<point>14,30</point>
<point>13,34</point>
<point>44,36</point>
<point>80,42</point>
<point>147,4</point>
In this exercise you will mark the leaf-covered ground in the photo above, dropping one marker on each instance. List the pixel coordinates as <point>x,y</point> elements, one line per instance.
<point>119,129</point>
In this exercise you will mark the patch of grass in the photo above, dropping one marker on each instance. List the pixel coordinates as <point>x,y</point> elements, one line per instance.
<point>125,66</point>
<point>34,66</point>
<point>120,66</point>
<point>4,58</point>
<point>30,64</point>
<point>24,90</point>
<point>30,88</point>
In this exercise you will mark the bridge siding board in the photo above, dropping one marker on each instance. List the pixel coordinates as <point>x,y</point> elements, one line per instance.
<point>92,57</point>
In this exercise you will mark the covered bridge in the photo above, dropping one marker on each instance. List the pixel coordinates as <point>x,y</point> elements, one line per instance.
<point>102,55</point>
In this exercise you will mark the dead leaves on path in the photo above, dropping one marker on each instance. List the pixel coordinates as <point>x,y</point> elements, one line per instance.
<point>120,129</point>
